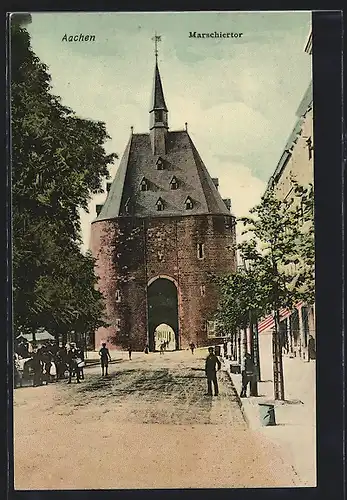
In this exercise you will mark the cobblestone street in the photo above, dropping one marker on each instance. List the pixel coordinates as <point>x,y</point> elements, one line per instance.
<point>148,425</point>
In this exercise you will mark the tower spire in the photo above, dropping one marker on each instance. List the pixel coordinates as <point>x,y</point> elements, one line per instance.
<point>158,111</point>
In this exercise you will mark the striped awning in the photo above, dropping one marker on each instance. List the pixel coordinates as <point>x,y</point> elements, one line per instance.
<point>268,322</point>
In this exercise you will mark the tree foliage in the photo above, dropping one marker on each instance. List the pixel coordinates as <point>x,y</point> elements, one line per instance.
<point>278,259</point>
<point>58,162</point>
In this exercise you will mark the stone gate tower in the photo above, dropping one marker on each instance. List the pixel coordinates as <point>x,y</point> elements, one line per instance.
<point>162,228</point>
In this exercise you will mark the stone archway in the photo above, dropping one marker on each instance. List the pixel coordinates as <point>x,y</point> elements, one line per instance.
<point>162,306</point>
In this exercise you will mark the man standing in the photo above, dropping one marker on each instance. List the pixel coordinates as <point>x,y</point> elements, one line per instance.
<point>212,365</point>
<point>130,351</point>
<point>192,347</point>
<point>72,357</point>
<point>105,357</point>
<point>248,373</point>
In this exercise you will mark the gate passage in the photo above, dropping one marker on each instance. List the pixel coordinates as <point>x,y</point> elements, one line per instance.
<point>163,314</point>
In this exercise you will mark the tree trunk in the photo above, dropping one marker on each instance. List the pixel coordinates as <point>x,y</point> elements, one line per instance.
<point>277,360</point>
<point>256,340</point>
<point>253,352</point>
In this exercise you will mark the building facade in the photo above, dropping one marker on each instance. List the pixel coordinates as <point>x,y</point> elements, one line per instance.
<point>297,161</point>
<point>162,229</point>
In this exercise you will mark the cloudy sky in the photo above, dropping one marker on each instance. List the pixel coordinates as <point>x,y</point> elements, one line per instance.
<point>238,95</point>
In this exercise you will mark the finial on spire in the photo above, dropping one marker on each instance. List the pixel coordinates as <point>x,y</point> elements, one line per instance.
<point>132,129</point>
<point>156,38</point>
<point>186,126</point>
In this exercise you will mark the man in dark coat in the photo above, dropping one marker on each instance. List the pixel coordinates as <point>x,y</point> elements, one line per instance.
<point>73,356</point>
<point>105,357</point>
<point>212,365</point>
<point>248,373</point>
<point>311,348</point>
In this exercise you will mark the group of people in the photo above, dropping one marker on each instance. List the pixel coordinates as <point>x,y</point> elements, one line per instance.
<point>49,363</point>
<point>213,365</point>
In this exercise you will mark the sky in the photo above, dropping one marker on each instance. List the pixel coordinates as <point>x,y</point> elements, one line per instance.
<point>239,95</point>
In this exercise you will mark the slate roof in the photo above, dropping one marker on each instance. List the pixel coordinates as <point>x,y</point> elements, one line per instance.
<point>181,160</point>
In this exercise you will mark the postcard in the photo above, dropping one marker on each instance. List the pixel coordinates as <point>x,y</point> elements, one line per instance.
<point>163,250</point>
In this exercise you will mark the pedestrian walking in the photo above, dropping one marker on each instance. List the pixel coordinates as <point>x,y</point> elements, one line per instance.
<point>248,373</point>
<point>80,362</point>
<point>192,347</point>
<point>229,350</point>
<point>212,365</point>
<point>73,357</point>
<point>146,349</point>
<point>130,351</point>
<point>162,347</point>
<point>105,357</point>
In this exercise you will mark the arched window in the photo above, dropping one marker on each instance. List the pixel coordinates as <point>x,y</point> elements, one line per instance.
<point>158,115</point>
<point>201,250</point>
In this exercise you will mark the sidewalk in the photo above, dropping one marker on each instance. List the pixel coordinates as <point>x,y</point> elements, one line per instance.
<point>295,431</point>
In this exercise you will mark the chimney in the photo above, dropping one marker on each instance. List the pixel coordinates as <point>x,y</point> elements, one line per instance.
<point>215,181</point>
<point>98,209</point>
<point>227,202</point>
<point>108,186</point>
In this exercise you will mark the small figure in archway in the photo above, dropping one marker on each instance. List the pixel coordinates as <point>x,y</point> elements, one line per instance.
<point>130,351</point>
<point>192,347</point>
<point>105,357</point>
<point>162,347</point>
<point>146,349</point>
<point>211,371</point>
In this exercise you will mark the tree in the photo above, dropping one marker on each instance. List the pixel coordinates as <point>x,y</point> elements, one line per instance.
<point>58,162</point>
<point>281,254</point>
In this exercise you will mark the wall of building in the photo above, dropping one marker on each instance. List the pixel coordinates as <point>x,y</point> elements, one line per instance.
<point>300,163</point>
<point>131,252</point>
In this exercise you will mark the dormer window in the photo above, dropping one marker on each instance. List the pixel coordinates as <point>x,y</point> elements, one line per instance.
<point>160,205</point>
<point>189,203</point>
<point>174,183</point>
<point>144,186</point>
<point>160,164</point>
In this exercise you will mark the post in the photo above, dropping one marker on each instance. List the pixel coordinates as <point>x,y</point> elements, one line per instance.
<point>254,381</point>
<point>256,343</point>
<point>277,360</point>
<point>301,333</point>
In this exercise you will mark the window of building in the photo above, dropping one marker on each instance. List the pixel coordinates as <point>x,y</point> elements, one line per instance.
<point>160,205</point>
<point>118,297</point>
<point>189,203</point>
<point>201,250</point>
<point>202,290</point>
<point>160,256</point>
<point>160,164</point>
<point>158,114</point>
<point>144,185</point>
<point>127,206</point>
<point>174,183</point>
<point>117,324</point>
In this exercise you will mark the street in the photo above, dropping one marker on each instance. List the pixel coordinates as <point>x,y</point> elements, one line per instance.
<point>148,425</point>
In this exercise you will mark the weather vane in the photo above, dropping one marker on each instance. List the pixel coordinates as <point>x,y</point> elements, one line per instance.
<point>156,39</point>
